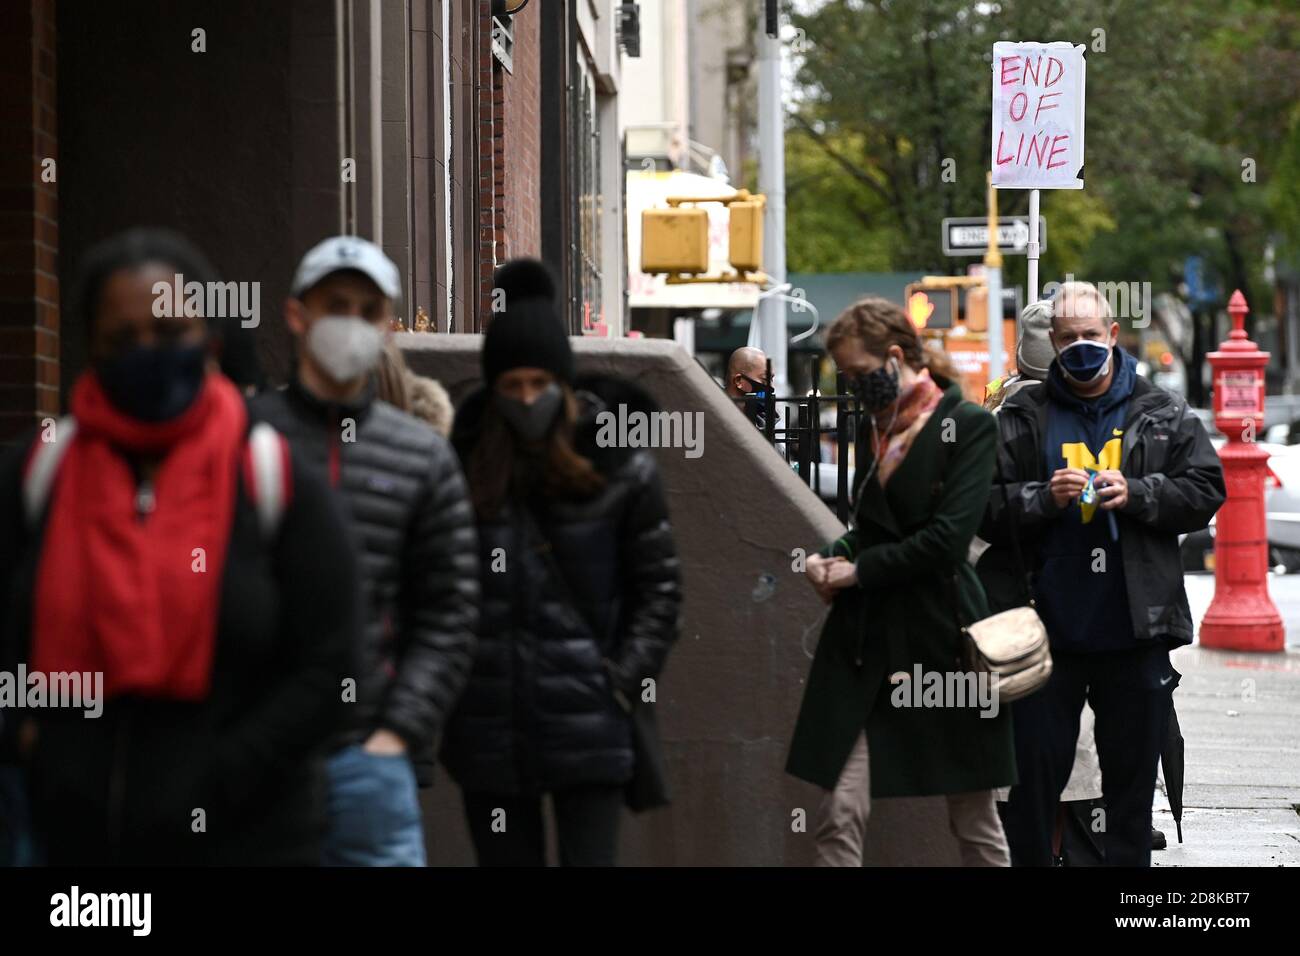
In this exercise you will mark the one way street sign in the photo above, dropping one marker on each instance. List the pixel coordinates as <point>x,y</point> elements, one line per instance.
<point>970,237</point>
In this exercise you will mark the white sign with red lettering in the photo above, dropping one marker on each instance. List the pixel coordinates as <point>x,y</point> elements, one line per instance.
<point>1038,115</point>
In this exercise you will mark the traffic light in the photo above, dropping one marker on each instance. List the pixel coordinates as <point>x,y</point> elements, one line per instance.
<point>675,240</point>
<point>930,307</point>
<point>745,242</point>
<point>919,309</point>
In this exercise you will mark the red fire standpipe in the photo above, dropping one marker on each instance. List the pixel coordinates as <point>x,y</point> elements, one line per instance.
<point>1242,617</point>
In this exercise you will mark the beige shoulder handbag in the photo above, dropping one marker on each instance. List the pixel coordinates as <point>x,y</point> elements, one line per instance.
<point>1011,645</point>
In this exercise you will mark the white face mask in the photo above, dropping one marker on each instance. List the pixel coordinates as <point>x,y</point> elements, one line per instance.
<point>345,347</point>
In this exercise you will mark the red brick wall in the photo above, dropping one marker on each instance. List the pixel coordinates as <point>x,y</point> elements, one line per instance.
<point>29,236</point>
<point>487,135</point>
<point>523,228</point>
<point>509,108</point>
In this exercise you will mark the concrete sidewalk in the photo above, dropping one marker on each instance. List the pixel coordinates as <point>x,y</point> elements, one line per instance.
<point>1240,716</point>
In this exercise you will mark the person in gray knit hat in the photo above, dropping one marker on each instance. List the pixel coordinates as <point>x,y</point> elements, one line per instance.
<point>1034,354</point>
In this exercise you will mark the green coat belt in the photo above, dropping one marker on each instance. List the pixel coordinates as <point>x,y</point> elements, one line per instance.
<point>908,541</point>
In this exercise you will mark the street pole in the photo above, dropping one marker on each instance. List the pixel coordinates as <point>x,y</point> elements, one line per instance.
<point>993,282</point>
<point>1032,291</point>
<point>770,311</point>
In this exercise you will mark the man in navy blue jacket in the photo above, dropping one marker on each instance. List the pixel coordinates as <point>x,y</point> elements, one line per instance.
<point>1103,471</point>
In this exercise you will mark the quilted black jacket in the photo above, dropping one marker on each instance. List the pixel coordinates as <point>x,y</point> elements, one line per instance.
<point>540,712</point>
<point>412,521</point>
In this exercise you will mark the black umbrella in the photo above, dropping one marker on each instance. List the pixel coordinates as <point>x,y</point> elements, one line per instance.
<point>1172,758</point>
<point>1081,843</point>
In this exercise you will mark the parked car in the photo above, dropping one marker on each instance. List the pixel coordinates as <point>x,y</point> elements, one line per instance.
<point>1283,433</point>
<point>1282,497</point>
<point>1281,507</point>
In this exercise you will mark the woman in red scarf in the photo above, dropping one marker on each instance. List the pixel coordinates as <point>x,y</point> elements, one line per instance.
<point>212,611</point>
<point>890,709</point>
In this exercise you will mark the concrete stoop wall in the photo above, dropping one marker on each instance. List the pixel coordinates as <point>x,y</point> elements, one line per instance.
<point>728,699</point>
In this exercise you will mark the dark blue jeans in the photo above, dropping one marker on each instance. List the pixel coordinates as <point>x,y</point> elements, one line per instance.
<point>1131,693</point>
<point>374,811</point>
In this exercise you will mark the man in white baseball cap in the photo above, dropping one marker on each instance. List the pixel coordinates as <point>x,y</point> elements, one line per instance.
<point>340,311</point>
<point>406,502</point>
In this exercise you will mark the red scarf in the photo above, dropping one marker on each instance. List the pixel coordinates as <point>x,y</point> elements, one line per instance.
<point>122,594</point>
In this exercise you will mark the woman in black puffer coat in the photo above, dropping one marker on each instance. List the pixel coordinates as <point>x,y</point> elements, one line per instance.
<point>580,594</point>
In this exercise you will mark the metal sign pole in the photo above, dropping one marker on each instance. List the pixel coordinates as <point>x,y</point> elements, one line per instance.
<point>1032,251</point>
<point>774,334</point>
<point>993,280</point>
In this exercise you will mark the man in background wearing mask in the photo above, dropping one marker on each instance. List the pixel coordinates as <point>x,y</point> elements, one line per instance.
<point>746,372</point>
<point>410,515</point>
<point>1103,471</point>
<point>746,375</point>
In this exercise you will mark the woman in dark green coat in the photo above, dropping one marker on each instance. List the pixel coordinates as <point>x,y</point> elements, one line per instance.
<point>891,708</point>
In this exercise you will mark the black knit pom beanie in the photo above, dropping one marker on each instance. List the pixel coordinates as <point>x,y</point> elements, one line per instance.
<point>527,332</point>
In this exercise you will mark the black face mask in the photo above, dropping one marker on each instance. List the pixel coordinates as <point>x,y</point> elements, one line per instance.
<point>875,390</point>
<point>757,389</point>
<point>153,384</point>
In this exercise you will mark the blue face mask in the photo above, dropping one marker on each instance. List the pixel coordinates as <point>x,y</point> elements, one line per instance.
<point>1083,362</point>
<point>153,384</point>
